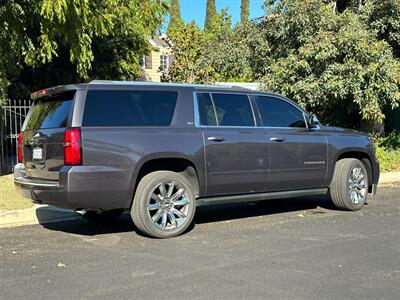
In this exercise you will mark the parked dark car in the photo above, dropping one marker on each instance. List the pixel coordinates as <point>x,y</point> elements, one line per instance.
<point>160,150</point>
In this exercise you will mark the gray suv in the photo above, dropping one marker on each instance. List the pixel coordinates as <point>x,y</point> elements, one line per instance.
<point>160,150</point>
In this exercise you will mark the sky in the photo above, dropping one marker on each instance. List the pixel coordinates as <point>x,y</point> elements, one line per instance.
<point>196,10</point>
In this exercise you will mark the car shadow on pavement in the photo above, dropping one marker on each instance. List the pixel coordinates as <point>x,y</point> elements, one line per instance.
<point>82,227</point>
<point>205,214</point>
<point>261,208</point>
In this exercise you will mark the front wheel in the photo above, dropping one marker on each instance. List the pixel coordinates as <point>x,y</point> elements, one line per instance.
<point>163,205</point>
<point>349,187</point>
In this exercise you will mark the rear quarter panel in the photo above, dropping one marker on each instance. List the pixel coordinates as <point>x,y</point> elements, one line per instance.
<point>113,157</point>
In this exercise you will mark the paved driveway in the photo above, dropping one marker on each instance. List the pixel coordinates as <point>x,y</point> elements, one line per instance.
<point>286,249</point>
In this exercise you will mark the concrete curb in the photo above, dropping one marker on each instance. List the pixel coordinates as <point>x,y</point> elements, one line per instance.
<point>389,177</point>
<point>38,214</point>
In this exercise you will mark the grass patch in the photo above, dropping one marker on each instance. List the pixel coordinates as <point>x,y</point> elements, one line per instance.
<point>10,198</point>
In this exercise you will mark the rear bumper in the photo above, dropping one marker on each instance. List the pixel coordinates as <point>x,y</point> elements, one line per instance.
<point>31,183</point>
<point>77,187</point>
<point>40,191</point>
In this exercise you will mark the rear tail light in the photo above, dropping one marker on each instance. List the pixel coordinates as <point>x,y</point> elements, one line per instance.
<point>20,140</point>
<point>72,147</point>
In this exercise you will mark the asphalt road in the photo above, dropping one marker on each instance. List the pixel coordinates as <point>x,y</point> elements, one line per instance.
<point>283,249</point>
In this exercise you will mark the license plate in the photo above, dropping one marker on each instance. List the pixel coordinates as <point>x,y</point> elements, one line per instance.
<point>37,154</point>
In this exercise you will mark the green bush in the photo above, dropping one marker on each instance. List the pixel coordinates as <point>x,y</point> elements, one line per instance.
<point>389,159</point>
<point>388,152</point>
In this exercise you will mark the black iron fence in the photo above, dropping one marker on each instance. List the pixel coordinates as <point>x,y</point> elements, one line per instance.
<point>12,116</point>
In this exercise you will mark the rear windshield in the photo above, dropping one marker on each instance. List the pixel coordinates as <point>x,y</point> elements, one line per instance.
<point>129,108</point>
<point>51,112</point>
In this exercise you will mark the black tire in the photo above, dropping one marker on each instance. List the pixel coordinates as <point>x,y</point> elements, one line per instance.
<point>102,217</point>
<point>340,190</point>
<point>142,216</point>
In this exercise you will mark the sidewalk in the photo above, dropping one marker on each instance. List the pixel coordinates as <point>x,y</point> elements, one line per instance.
<point>40,214</point>
<point>389,177</point>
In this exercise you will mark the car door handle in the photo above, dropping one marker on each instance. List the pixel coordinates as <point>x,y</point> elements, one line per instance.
<point>277,139</point>
<point>216,138</point>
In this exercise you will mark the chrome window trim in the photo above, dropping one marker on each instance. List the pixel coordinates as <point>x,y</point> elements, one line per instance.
<point>287,128</point>
<point>305,120</point>
<point>215,110</point>
<point>291,102</point>
<point>197,114</point>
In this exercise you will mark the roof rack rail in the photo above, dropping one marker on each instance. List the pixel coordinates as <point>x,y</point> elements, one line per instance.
<point>171,84</point>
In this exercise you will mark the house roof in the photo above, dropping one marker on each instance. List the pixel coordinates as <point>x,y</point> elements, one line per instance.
<point>160,41</point>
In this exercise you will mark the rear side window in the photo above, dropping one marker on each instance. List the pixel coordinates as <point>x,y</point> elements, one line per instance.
<point>233,110</point>
<point>206,110</point>
<point>129,108</point>
<point>51,112</point>
<point>279,113</point>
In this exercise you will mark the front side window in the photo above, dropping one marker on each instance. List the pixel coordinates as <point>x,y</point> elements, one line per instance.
<point>129,108</point>
<point>279,113</point>
<point>233,110</point>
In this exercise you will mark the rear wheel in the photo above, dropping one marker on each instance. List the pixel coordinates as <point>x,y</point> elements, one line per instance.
<point>102,216</point>
<point>164,204</point>
<point>349,187</point>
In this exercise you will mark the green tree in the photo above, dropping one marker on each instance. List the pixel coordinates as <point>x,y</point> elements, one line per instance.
<point>219,53</point>
<point>331,63</point>
<point>175,14</point>
<point>60,38</point>
<point>244,11</point>
<point>334,58</point>
<point>202,56</point>
<point>384,17</point>
<point>210,12</point>
<point>187,41</point>
<point>225,54</point>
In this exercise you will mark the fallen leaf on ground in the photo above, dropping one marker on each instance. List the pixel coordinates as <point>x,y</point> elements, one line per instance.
<point>300,215</point>
<point>61,265</point>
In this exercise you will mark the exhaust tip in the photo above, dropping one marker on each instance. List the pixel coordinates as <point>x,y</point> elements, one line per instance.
<point>81,211</point>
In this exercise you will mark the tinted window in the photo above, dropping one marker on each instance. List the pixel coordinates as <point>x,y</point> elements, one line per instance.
<point>279,113</point>
<point>233,110</point>
<point>51,112</point>
<point>129,108</point>
<point>206,110</point>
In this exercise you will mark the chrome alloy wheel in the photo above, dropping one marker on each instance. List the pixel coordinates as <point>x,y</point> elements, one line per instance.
<point>168,205</point>
<point>357,185</point>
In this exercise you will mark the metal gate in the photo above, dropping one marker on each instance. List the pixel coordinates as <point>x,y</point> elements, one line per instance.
<point>12,116</point>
